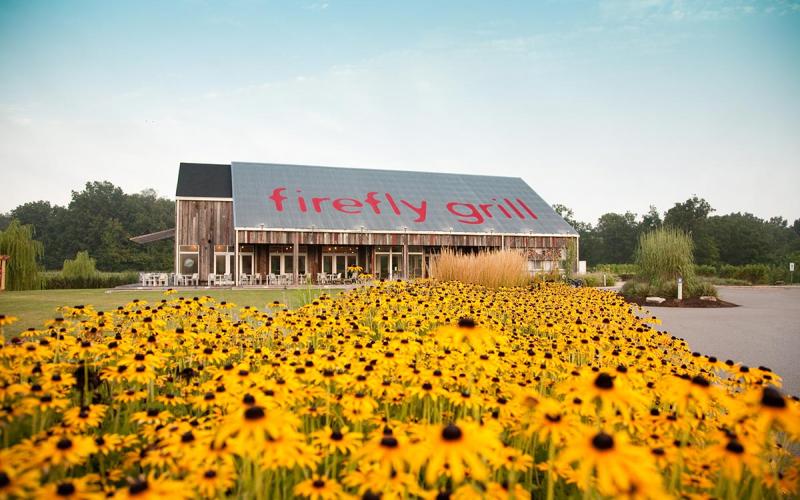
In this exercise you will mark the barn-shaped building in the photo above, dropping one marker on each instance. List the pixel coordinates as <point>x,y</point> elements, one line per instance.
<point>307,222</point>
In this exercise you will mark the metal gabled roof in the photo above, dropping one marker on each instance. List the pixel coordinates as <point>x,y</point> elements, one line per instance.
<point>275,196</point>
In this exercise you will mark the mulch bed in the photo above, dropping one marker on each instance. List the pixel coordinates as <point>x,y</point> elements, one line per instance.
<point>693,302</point>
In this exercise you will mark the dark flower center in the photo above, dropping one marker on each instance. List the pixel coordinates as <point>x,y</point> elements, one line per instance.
<point>337,436</point>
<point>451,433</point>
<point>210,474</point>
<point>139,486</point>
<point>4,479</point>
<point>152,412</point>
<point>604,381</point>
<point>64,444</point>
<point>552,418</point>
<point>735,446</point>
<point>249,399</point>
<point>603,442</point>
<point>389,442</point>
<point>319,483</point>
<point>772,398</point>
<point>65,489</point>
<point>466,323</point>
<point>701,381</point>
<point>187,437</point>
<point>254,413</point>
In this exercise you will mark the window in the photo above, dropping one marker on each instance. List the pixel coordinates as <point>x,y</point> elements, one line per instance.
<point>390,262</point>
<point>283,263</point>
<point>188,259</point>
<point>247,259</point>
<point>223,259</point>
<point>338,259</point>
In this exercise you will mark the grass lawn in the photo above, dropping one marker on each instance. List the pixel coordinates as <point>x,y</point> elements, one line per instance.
<point>35,307</point>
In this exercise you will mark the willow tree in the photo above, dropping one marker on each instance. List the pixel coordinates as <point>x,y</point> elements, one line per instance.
<point>23,267</point>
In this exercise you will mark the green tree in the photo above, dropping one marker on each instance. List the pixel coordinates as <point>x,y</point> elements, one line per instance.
<point>588,243</point>
<point>616,234</point>
<point>46,220</point>
<point>17,242</point>
<point>691,217</point>
<point>650,221</point>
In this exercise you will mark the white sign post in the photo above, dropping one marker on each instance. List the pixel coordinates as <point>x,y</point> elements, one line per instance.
<point>680,288</point>
<point>791,272</point>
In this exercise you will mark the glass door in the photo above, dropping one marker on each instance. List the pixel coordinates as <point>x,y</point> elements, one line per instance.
<point>414,265</point>
<point>385,266</point>
<point>223,260</point>
<point>246,263</point>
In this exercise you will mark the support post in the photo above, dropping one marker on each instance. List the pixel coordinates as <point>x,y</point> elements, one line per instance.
<point>405,256</point>
<point>177,240</point>
<point>296,259</point>
<point>236,259</point>
<point>3,259</point>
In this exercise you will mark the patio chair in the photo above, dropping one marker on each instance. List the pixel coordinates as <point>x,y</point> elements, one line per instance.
<point>194,280</point>
<point>212,279</point>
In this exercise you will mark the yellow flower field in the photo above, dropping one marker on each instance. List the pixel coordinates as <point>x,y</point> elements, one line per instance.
<point>397,390</point>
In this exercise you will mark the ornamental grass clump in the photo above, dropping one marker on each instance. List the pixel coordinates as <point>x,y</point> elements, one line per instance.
<point>662,256</point>
<point>395,390</point>
<point>490,268</point>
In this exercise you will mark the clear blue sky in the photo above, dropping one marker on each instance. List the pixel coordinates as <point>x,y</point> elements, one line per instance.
<point>602,106</point>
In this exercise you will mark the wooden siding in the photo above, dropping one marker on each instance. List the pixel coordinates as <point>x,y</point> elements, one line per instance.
<point>205,223</point>
<point>396,239</point>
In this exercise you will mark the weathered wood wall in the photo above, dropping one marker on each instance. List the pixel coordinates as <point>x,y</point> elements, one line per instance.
<point>205,223</point>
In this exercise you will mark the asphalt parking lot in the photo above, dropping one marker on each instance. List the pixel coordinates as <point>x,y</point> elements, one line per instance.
<point>763,331</point>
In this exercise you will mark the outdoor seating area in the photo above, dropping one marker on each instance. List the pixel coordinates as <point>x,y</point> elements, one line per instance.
<point>164,280</point>
<point>168,279</point>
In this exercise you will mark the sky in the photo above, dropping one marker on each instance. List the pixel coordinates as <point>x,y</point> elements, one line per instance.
<point>604,106</point>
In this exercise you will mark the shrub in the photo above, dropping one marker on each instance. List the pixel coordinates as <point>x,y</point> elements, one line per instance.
<point>705,270</point>
<point>55,280</point>
<point>624,271</point>
<point>492,269</point>
<point>635,288</point>
<point>596,279</point>
<point>704,288</point>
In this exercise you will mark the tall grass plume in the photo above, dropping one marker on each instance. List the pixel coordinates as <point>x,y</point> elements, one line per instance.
<point>492,269</point>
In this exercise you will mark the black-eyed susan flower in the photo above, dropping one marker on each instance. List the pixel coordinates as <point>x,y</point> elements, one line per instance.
<point>457,447</point>
<point>319,488</point>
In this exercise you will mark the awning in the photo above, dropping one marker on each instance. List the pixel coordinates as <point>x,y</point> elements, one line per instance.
<point>157,236</point>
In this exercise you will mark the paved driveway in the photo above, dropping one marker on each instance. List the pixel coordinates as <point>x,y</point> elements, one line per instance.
<point>763,331</point>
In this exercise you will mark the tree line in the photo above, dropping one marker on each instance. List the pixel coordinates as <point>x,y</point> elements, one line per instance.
<point>100,219</point>
<point>735,239</point>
